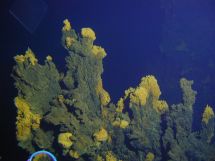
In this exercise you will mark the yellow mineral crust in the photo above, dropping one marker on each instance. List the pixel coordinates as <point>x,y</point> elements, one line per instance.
<point>65,139</point>
<point>207,114</point>
<point>139,96</point>
<point>29,55</point>
<point>67,25</point>
<point>120,123</point>
<point>120,105</point>
<point>49,58</point>
<point>150,157</point>
<point>98,51</point>
<point>74,154</point>
<point>88,33</point>
<point>110,157</point>
<point>69,41</point>
<point>160,105</point>
<point>26,120</point>
<point>102,94</point>
<point>123,124</point>
<point>19,58</point>
<point>101,135</point>
<point>150,84</point>
<point>99,158</point>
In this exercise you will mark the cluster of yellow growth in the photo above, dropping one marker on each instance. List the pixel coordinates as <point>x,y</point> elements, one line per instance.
<point>110,156</point>
<point>147,87</point>
<point>98,51</point>
<point>69,41</point>
<point>26,120</point>
<point>29,55</point>
<point>116,122</point>
<point>49,58</point>
<point>150,84</point>
<point>88,33</point>
<point>23,122</point>
<point>120,123</point>
<point>150,157</point>
<point>102,94</point>
<point>65,140</point>
<point>61,98</point>
<point>161,105</point>
<point>35,121</point>
<point>109,140</point>
<point>123,124</point>
<point>106,114</point>
<point>74,154</point>
<point>19,58</point>
<point>208,114</point>
<point>101,135</point>
<point>99,158</point>
<point>139,96</point>
<point>67,25</point>
<point>128,91</point>
<point>120,105</point>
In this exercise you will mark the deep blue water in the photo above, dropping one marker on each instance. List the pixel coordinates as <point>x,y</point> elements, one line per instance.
<point>132,33</point>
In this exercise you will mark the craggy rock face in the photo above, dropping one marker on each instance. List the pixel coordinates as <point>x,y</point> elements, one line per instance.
<point>71,114</point>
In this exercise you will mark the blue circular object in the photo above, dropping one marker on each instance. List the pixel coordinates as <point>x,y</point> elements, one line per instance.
<point>42,152</point>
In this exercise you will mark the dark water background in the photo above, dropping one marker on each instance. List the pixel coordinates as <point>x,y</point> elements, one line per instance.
<point>132,32</point>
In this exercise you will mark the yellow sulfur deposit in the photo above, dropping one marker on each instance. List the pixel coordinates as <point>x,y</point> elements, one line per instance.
<point>98,51</point>
<point>150,157</point>
<point>101,135</point>
<point>208,114</point>
<point>160,105</point>
<point>116,122</point>
<point>35,121</point>
<point>23,123</point>
<point>99,158</point>
<point>150,84</point>
<point>139,96</point>
<point>120,105</point>
<point>29,55</point>
<point>88,33</point>
<point>110,157</point>
<point>26,120</point>
<point>74,154</point>
<point>65,139</point>
<point>120,123</point>
<point>69,41</point>
<point>103,95</point>
<point>128,91</point>
<point>67,25</point>
<point>19,58</point>
<point>123,124</point>
<point>61,98</point>
<point>49,58</point>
